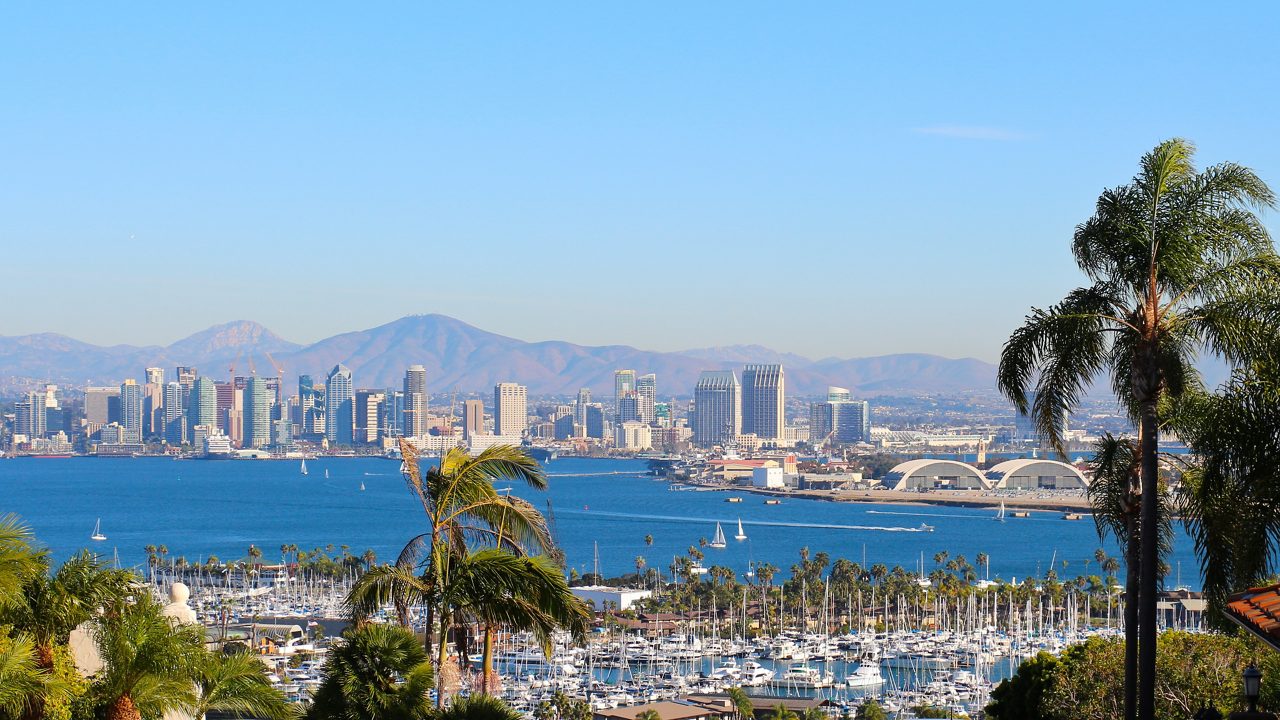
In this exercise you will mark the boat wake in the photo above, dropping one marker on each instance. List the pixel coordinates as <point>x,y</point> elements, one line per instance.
<point>920,514</point>
<point>757,523</point>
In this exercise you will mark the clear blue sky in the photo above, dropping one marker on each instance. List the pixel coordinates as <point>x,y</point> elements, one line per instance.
<point>831,179</point>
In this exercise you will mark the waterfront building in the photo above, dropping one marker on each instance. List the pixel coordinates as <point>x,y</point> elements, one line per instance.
<point>368,409</point>
<point>510,409</point>
<point>624,385</point>
<point>415,401</point>
<point>595,421</point>
<point>29,416</point>
<point>1035,474</point>
<point>472,418</point>
<point>840,419</point>
<point>393,407</point>
<point>256,413</point>
<point>175,417</point>
<point>633,436</point>
<point>131,411</point>
<point>101,406</point>
<point>564,425</point>
<point>717,400</point>
<point>764,401</point>
<point>647,397</point>
<point>225,394</point>
<point>202,405</point>
<point>926,474</point>
<point>339,402</point>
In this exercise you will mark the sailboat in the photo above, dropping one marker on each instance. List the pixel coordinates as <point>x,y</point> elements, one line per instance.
<point>304,466</point>
<point>718,540</point>
<point>97,531</point>
<point>741,535</point>
<point>1000,515</point>
<point>361,486</point>
<point>326,473</point>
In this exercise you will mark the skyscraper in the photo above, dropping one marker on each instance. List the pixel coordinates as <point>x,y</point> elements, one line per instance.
<point>153,403</point>
<point>131,412</point>
<point>472,418</point>
<point>595,421</point>
<point>368,404</point>
<point>624,386</point>
<point>510,409</point>
<point>99,404</point>
<point>175,425</point>
<point>392,423</point>
<point>839,419</point>
<point>580,407</point>
<point>717,400</point>
<point>415,401</point>
<point>187,379</point>
<point>29,415</point>
<point>257,413</point>
<point>202,406</point>
<point>647,397</point>
<point>763,401</point>
<point>339,401</point>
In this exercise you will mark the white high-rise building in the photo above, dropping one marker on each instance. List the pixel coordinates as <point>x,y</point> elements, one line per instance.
<point>510,409</point>
<point>764,401</point>
<point>717,411</point>
<point>415,401</point>
<point>647,397</point>
<point>339,401</point>
<point>624,390</point>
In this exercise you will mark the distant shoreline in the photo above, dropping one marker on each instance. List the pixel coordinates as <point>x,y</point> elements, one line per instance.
<point>937,498</point>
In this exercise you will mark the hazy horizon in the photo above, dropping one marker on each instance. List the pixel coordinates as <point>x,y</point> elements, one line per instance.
<point>828,180</point>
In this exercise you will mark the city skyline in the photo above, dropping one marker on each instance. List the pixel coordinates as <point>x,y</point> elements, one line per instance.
<point>881,157</point>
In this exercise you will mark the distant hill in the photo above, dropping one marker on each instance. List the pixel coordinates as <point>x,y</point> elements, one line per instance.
<point>466,357</point>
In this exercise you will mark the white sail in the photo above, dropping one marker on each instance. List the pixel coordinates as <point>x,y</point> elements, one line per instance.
<point>304,466</point>
<point>362,486</point>
<point>741,535</point>
<point>718,540</point>
<point>1000,514</point>
<point>97,531</point>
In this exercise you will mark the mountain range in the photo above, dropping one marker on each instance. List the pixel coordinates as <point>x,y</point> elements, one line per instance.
<point>458,355</point>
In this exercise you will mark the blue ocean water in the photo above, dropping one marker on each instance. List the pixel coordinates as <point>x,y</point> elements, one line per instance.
<point>198,508</point>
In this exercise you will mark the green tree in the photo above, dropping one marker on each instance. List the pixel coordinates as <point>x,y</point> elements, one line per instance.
<point>1023,696</point>
<point>478,707</point>
<point>871,710</point>
<point>743,709</point>
<point>1178,263</point>
<point>782,712</point>
<point>379,672</point>
<point>148,662</point>
<point>19,559</point>
<point>22,681</point>
<point>236,683</point>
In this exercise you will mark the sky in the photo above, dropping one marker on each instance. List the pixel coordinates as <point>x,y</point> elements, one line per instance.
<point>831,179</point>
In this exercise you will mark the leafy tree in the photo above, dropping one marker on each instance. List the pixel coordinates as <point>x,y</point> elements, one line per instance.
<point>1023,696</point>
<point>871,710</point>
<point>361,677</point>
<point>19,559</point>
<point>148,661</point>
<point>236,683</point>
<point>782,712</point>
<point>1178,263</point>
<point>22,681</point>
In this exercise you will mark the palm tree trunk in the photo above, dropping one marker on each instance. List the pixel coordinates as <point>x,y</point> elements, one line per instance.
<point>1131,594</point>
<point>486,670</point>
<point>443,643</point>
<point>1149,442</point>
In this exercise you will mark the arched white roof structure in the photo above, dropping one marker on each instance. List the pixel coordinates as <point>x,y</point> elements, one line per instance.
<point>925,474</point>
<point>1035,474</point>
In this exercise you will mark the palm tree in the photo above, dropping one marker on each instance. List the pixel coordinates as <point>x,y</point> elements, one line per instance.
<point>649,715</point>
<point>648,540</point>
<point>236,683</point>
<point>19,559</point>
<point>741,701</point>
<point>462,509</point>
<point>362,677</point>
<point>148,662</point>
<point>1231,494</point>
<point>52,605</point>
<point>1178,263</point>
<point>22,681</point>
<point>782,712</point>
<point>479,707</point>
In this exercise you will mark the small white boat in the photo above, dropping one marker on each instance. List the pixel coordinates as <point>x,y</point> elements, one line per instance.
<point>1000,514</point>
<point>741,535</point>
<point>404,468</point>
<point>326,473</point>
<point>304,466</point>
<point>97,531</point>
<point>718,541</point>
<point>362,486</point>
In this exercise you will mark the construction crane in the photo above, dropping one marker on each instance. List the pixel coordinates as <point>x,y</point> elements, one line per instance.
<point>279,379</point>
<point>453,403</point>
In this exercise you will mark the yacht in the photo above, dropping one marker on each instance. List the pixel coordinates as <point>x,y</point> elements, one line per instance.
<point>718,541</point>
<point>97,531</point>
<point>803,676</point>
<point>867,675</point>
<point>741,535</point>
<point>753,673</point>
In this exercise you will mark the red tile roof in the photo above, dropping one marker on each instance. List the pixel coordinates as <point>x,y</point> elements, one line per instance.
<point>1258,611</point>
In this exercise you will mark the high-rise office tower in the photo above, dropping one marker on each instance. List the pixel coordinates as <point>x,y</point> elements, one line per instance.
<point>98,406</point>
<point>839,419</point>
<point>472,418</point>
<point>131,412</point>
<point>175,420</point>
<point>647,397</point>
<point>153,403</point>
<point>415,401</point>
<point>186,377</point>
<point>29,415</point>
<point>595,421</point>
<point>624,386</point>
<point>311,406</point>
<point>202,404</point>
<point>580,406</point>
<point>368,405</point>
<point>155,375</point>
<point>628,408</point>
<point>510,409</point>
<point>339,402</point>
<point>392,422</point>
<point>717,400</point>
<point>763,401</point>
<point>257,413</point>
